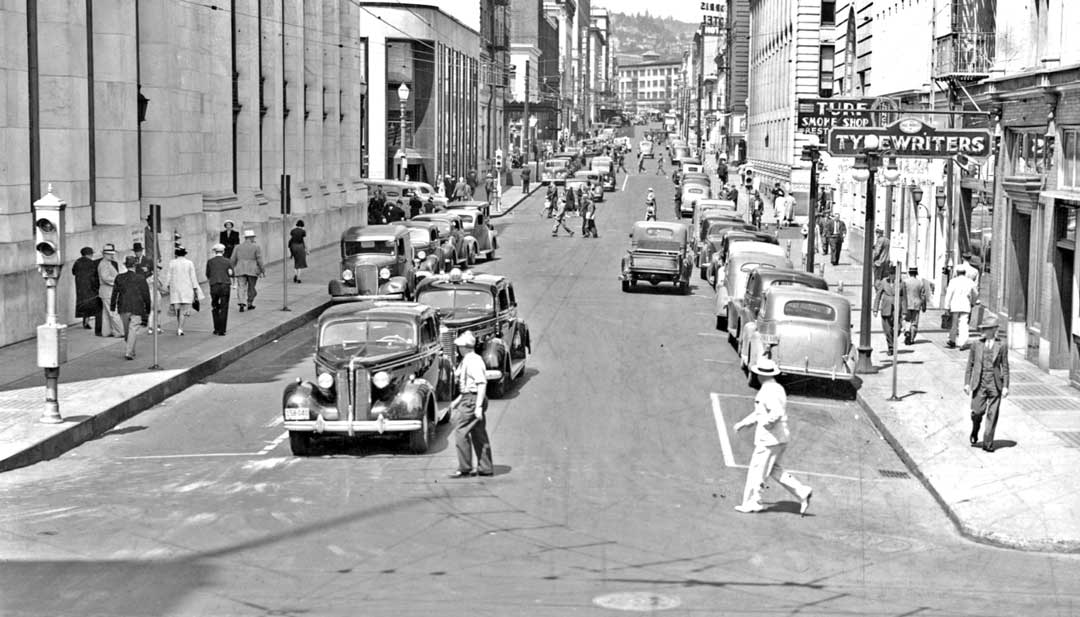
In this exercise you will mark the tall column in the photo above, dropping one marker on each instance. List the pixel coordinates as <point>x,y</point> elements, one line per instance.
<point>247,90</point>
<point>312,38</point>
<point>116,113</point>
<point>15,223</point>
<point>273,121</point>
<point>292,41</point>
<point>332,92</point>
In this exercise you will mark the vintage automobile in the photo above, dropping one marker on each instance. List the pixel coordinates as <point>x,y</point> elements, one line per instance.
<point>731,279</point>
<point>404,189</point>
<point>376,263</point>
<point>429,255</point>
<point>805,331</point>
<point>584,179</point>
<point>715,228</point>
<point>555,171</point>
<point>660,252</point>
<point>605,167</point>
<point>486,305</point>
<point>689,196</point>
<point>708,207</point>
<point>645,149</point>
<point>759,282</point>
<point>689,167</point>
<point>476,223</point>
<point>378,370</point>
<point>459,247</point>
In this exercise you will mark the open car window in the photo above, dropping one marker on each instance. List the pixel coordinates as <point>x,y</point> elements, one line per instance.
<point>372,335</point>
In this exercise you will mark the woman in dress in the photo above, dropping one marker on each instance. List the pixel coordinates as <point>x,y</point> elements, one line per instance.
<point>184,287</point>
<point>298,250</point>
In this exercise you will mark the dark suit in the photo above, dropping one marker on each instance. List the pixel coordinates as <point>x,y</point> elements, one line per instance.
<point>986,393</point>
<point>130,298</point>
<point>230,238</point>
<point>219,276</point>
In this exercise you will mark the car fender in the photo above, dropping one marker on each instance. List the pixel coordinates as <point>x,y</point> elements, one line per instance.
<point>336,288</point>
<point>749,333</point>
<point>306,394</point>
<point>395,285</point>
<point>494,351</point>
<point>470,243</point>
<point>414,397</point>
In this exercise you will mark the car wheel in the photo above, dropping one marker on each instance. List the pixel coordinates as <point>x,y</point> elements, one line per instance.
<point>626,286</point>
<point>502,387</point>
<point>420,440</point>
<point>300,443</point>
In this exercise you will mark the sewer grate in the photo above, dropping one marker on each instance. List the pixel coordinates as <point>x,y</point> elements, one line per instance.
<point>1023,377</point>
<point>1046,403</point>
<point>1071,438</point>
<point>892,473</point>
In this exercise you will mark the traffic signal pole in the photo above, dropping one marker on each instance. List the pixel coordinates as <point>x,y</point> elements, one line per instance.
<point>51,335</point>
<point>812,153</point>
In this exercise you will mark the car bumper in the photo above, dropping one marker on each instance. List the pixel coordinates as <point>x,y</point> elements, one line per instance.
<point>360,297</point>
<point>665,275</point>
<point>346,427</point>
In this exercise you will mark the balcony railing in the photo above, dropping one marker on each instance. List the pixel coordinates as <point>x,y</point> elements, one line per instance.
<point>964,55</point>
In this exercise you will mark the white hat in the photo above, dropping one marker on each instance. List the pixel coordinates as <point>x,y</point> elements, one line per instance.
<point>218,248</point>
<point>249,233</point>
<point>466,340</point>
<point>766,366</point>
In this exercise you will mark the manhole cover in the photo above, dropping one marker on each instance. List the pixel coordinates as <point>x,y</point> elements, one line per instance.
<point>641,601</point>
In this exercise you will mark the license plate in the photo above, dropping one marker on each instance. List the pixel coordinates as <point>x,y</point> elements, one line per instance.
<point>297,413</point>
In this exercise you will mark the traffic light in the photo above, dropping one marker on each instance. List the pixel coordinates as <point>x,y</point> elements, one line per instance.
<point>810,153</point>
<point>177,244</point>
<point>499,159</point>
<point>49,230</point>
<point>748,177</point>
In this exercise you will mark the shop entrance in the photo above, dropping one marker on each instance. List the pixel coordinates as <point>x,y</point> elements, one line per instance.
<point>1018,282</point>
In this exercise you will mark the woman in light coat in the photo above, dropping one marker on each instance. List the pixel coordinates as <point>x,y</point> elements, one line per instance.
<point>183,287</point>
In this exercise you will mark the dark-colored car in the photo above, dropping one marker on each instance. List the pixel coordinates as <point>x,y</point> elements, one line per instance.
<point>429,255</point>
<point>721,241</point>
<point>486,305</point>
<point>378,367</point>
<point>660,252</point>
<point>459,246</point>
<point>376,263</point>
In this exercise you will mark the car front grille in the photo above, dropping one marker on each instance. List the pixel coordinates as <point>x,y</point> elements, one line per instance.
<point>367,279</point>
<point>361,387</point>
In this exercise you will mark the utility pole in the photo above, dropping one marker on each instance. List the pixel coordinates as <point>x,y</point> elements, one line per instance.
<point>525,123</point>
<point>700,85</point>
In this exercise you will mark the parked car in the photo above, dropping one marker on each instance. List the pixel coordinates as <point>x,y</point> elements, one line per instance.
<point>429,254</point>
<point>723,205</point>
<point>476,222</point>
<point>731,280</point>
<point>804,331</point>
<point>708,207</point>
<point>679,152</point>
<point>555,171</point>
<point>688,199</point>
<point>584,179</point>
<point>376,263</point>
<point>688,167</point>
<point>378,369</point>
<point>485,304</point>
<point>459,247</point>
<point>761,281</point>
<point>403,190</point>
<point>713,251</point>
<point>645,149</point>
<point>660,252</point>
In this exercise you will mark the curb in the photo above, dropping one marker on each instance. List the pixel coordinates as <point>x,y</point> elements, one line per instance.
<point>975,534</point>
<point>524,196</point>
<point>98,424</point>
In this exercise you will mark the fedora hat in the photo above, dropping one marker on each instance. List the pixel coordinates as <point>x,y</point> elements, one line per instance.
<point>989,320</point>
<point>218,248</point>
<point>249,233</point>
<point>109,249</point>
<point>466,340</point>
<point>766,366</point>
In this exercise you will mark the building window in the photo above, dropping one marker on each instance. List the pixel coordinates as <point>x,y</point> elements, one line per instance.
<point>825,68</point>
<point>1070,158</point>
<point>828,12</point>
<point>1026,152</point>
<point>1065,217</point>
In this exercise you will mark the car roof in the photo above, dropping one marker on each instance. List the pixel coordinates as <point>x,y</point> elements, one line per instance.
<point>442,281</point>
<point>715,202</point>
<point>384,232</point>
<point>755,247</point>
<point>791,274</point>
<point>808,293</point>
<point>379,308</point>
<point>418,224</point>
<point>437,216</point>
<point>675,227</point>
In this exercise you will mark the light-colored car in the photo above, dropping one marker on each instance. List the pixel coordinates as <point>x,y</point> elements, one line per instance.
<point>555,171</point>
<point>692,168</point>
<point>690,195</point>
<point>660,252</point>
<point>760,282</point>
<point>403,190</point>
<point>804,331</point>
<point>476,222</point>
<point>731,280</point>
<point>645,149</point>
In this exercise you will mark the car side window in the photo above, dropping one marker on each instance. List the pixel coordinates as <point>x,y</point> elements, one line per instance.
<point>510,292</point>
<point>401,248</point>
<point>428,333</point>
<point>504,300</point>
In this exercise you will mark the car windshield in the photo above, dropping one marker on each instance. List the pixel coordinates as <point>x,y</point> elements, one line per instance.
<point>810,310</point>
<point>419,235</point>
<point>449,301</point>
<point>467,218</point>
<point>369,247</point>
<point>716,230</point>
<point>556,163</point>
<point>372,336</point>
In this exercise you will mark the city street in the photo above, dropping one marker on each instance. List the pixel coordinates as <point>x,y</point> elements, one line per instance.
<point>616,476</point>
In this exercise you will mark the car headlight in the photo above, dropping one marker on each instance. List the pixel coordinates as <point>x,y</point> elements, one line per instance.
<point>380,379</point>
<point>384,273</point>
<point>346,275</point>
<point>325,380</point>
<point>395,287</point>
<point>421,255</point>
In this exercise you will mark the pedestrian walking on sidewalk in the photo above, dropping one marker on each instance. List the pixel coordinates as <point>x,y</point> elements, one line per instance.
<point>229,237</point>
<point>880,254</point>
<point>560,219</point>
<point>836,231</point>
<point>986,379</point>
<point>298,250</point>
<point>247,266</point>
<point>959,297</point>
<point>130,298</point>
<point>884,303</point>
<point>526,176</point>
<point>219,277</point>
<point>184,290</point>
<point>771,437</point>
<point>469,411</point>
<point>107,272</point>
<point>913,301</point>
<point>87,303</point>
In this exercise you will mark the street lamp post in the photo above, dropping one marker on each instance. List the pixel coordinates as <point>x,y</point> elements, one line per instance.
<point>403,96</point>
<point>535,144</point>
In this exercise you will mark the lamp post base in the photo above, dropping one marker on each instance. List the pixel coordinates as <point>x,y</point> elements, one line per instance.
<point>863,364</point>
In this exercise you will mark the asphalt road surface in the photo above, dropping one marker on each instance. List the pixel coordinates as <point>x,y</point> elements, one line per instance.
<point>616,474</point>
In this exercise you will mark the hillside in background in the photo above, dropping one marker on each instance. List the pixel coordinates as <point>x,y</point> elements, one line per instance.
<point>637,34</point>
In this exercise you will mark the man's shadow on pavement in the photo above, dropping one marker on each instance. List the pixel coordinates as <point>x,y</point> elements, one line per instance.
<point>1004,443</point>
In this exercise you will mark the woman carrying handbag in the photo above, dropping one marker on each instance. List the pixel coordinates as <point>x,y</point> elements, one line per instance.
<point>184,290</point>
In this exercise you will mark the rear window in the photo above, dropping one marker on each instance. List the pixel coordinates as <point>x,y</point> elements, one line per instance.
<point>810,310</point>
<point>659,233</point>
<point>746,267</point>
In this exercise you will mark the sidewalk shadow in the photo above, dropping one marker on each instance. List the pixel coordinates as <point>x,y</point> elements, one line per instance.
<point>1004,443</point>
<point>815,387</point>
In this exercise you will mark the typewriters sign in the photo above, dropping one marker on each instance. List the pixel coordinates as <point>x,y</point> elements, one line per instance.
<point>911,138</point>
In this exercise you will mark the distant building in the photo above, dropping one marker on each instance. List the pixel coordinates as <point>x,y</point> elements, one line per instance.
<point>647,87</point>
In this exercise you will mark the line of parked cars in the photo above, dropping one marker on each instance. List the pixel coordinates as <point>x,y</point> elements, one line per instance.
<point>385,356</point>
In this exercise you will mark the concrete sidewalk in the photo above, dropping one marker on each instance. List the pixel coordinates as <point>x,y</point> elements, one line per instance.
<point>99,389</point>
<point>1024,495</point>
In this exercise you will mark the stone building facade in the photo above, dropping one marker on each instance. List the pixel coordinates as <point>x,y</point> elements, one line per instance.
<point>194,106</point>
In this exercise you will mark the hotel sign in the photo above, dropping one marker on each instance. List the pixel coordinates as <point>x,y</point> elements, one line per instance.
<point>911,138</point>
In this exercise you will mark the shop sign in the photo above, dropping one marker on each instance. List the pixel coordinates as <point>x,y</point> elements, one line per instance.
<point>817,116</point>
<point>911,138</point>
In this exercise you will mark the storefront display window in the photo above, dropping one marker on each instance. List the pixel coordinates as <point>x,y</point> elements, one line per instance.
<point>1026,150</point>
<point>1070,158</point>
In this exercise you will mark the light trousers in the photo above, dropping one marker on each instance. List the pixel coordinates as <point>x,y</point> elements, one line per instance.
<point>765,463</point>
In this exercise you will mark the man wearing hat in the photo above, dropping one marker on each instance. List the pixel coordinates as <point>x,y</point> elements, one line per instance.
<point>108,270</point>
<point>247,266</point>
<point>835,231</point>
<point>771,437</point>
<point>219,276</point>
<point>130,298</point>
<point>469,410</point>
<point>229,237</point>
<point>881,253</point>
<point>986,379</point>
<point>914,298</point>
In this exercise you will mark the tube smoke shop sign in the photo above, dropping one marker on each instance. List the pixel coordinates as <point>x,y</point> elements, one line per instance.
<point>911,138</point>
<point>817,116</point>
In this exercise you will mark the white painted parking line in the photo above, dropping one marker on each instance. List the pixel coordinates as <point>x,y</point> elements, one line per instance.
<point>206,455</point>
<point>625,179</point>
<point>712,333</point>
<point>721,429</point>
<point>715,361</point>
<point>275,443</point>
<point>277,421</point>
